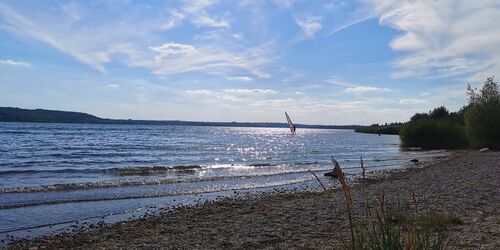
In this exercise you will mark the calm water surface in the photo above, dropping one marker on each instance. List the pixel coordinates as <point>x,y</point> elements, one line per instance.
<point>52,175</point>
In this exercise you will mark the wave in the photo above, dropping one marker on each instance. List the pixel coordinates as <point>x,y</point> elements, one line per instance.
<point>146,171</point>
<point>139,182</point>
<point>127,171</point>
<point>161,170</point>
<point>271,184</point>
<point>15,132</point>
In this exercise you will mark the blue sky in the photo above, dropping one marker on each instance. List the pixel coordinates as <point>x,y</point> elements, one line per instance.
<point>325,62</point>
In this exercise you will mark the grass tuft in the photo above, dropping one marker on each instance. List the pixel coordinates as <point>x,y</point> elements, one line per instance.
<point>386,227</point>
<point>440,221</point>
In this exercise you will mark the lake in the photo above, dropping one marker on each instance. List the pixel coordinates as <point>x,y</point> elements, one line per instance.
<point>54,175</point>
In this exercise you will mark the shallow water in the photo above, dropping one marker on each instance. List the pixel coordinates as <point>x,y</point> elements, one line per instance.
<point>55,174</point>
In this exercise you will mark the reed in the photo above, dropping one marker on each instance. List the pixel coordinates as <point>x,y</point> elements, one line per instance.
<point>362,165</point>
<point>386,228</point>
<point>318,180</point>
<point>414,199</point>
<point>347,196</point>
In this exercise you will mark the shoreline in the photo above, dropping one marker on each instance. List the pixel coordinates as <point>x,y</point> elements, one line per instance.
<point>305,219</point>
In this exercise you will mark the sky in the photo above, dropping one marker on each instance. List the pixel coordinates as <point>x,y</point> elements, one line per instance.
<point>324,62</point>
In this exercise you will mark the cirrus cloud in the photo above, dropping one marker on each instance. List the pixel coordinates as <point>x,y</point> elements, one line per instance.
<point>443,38</point>
<point>364,89</point>
<point>14,63</point>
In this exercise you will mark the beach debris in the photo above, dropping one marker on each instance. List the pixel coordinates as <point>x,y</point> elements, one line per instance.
<point>484,150</point>
<point>332,174</point>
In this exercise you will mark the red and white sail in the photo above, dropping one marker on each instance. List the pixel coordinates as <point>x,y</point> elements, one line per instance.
<point>290,124</point>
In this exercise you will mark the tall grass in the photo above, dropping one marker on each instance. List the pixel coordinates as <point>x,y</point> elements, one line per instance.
<point>388,228</point>
<point>433,134</point>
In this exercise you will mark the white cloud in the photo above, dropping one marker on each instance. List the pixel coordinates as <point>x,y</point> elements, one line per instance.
<point>226,96</point>
<point>443,38</point>
<point>172,49</point>
<point>113,85</point>
<point>175,18</point>
<point>353,21</point>
<point>240,78</point>
<point>412,101</point>
<point>199,16</point>
<point>337,81</point>
<point>364,89</point>
<point>116,39</point>
<point>15,63</point>
<point>197,92</point>
<point>310,26</point>
<point>211,22</point>
<point>251,91</point>
<point>93,47</point>
<point>238,36</point>
<point>213,60</point>
<point>193,6</point>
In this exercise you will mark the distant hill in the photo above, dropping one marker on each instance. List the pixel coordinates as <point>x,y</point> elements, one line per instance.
<point>8,114</point>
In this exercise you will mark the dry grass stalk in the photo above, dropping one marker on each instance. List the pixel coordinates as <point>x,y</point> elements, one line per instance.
<point>343,182</point>
<point>363,173</point>
<point>319,181</point>
<point>382,201</point>
<point>347,195</point>
<point>414,197</point>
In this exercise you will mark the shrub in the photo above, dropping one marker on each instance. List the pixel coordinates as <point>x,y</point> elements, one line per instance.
<point>388,130</point>
<point>433,134</point>
<point>482,116</point>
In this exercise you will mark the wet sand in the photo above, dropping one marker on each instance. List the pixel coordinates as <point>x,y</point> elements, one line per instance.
<point>465,185</point>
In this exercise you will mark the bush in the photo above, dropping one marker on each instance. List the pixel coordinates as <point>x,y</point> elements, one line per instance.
<point>433,134</point>
<point>388,130</point>
<point>482,116</point>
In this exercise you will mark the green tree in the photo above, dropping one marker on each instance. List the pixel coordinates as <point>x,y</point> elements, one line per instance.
<point>439,112</point>
<point>482,116</point>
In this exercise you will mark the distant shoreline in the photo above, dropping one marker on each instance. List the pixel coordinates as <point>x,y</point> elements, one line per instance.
<point>10,114</point>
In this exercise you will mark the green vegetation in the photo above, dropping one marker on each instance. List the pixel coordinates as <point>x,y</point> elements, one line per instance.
<point>397,228</point>
<point>41,115</point>
<point>439,129</point>
<point>482,115</point>
<point>475,125</point>
<point>388,129</point>
<point>385,227</point>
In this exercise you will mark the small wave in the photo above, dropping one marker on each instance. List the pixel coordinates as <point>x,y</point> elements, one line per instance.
<point>145,171</point>
<point>128,171</point>
<point>262,164</point>
<point>138,182</point>
<point>276,183</point>
<point>65,170</point>
<point>15,132</point>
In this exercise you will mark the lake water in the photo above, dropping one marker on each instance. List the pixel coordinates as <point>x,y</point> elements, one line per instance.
<point>52,175</point>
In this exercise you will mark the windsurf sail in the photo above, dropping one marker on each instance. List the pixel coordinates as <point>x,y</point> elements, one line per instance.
<point>290,123</point>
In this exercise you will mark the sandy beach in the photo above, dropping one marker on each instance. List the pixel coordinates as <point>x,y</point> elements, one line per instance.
<point>465,185</point>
